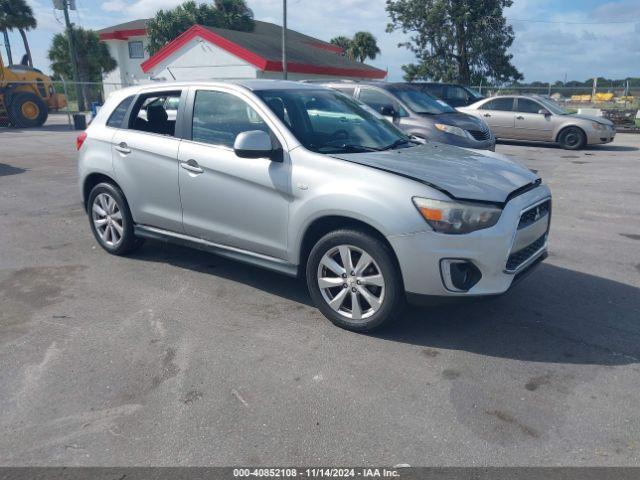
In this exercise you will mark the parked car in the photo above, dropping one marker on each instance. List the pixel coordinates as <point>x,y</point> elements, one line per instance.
<point>420,114</point>
<point>454,94</point>
<point>306,181</point>
<point>533,118</point>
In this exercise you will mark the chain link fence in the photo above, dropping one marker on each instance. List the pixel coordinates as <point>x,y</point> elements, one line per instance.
<point>32,104</point>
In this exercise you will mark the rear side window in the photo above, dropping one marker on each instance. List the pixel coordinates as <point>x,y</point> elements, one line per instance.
<point>156,113</point>
<point>499,104</point>
<point>116,118</point>
<point>218,118</point>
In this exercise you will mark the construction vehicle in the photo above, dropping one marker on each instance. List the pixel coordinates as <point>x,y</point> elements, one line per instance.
<point>26,96</point>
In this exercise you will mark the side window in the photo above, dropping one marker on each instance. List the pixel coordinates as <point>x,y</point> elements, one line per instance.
<point>456,93</point>
<point>499,104</point>
<point>528,106</point>
<point>435,90</point>
<point>218,118</point>
<point>150,114</point>
<point>376,100</point>
<point>117,116</point>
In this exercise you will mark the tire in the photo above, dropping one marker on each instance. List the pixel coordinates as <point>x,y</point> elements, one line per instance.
<point>110,220</point>
<point>27,110</point>
<point>572,138</point>
<point>380,281</point>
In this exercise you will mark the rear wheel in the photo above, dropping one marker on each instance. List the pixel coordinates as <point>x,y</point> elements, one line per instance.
<point>354,281</point>
<point>572,138</point>
<point>27,110</point>
<point>110,220</point>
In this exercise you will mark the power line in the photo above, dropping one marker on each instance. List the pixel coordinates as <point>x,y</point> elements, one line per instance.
<point>572,23</point>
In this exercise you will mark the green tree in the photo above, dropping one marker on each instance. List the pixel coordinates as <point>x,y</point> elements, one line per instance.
<point>93,59</point>
<point>363,45</point>
<point>168,24</point>
<point>465,41</point>
<point>17,14</point>
<point>343,42</point>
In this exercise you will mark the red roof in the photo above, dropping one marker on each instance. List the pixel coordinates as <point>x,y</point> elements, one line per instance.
<point>261,48</point>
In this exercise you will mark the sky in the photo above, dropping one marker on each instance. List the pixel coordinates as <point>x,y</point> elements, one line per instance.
<point>577,38</point>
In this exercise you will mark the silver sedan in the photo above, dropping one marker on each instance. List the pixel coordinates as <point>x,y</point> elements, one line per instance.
<point>533,118</point>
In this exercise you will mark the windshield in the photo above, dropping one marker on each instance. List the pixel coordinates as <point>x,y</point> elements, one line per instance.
<point>552,106</point>
<point>421,102</point>
<point>326,121</point>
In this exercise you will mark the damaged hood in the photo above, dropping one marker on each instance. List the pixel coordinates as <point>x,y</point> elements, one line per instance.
<point>461,173</point>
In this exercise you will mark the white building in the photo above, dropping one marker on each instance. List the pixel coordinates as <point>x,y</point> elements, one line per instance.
<point>203,53</point>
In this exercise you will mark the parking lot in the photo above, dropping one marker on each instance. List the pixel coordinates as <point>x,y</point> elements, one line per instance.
<point>178,357</point>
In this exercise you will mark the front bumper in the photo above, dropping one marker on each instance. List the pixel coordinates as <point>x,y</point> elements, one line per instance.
<point>598,137</point>
<point>419,254</point>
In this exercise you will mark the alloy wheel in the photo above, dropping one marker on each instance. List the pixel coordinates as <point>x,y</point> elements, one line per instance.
<point>107,219</point>
<point>351,282</point>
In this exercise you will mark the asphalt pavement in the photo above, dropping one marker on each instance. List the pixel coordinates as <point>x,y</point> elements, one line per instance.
<point>179,357</point>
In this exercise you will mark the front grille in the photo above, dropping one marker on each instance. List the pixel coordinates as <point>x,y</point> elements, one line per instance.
<point>480,134</point>
<point>518,258</point>
<point>534,214</point>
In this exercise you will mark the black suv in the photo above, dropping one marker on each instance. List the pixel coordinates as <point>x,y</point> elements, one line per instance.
<point>455,95</point>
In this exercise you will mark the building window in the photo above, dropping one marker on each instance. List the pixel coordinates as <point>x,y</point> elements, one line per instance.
<point>136,49</point>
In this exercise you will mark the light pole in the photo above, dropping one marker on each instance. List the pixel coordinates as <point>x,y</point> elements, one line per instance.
<point>284,39</point>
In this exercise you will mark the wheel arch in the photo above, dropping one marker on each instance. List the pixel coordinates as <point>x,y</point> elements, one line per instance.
<point>328,223</point>
<point>91,181</point>
<point>572,125</point>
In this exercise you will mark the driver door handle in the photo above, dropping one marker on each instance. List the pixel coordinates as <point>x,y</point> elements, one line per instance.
<point>191,166</point>
<point>519,117</point>
<point>123,148</point>
<point>487,115</point>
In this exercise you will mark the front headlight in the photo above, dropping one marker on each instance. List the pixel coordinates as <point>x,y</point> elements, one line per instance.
<point>598,126</point>
<point>456,217</point>
<point>452,130</point>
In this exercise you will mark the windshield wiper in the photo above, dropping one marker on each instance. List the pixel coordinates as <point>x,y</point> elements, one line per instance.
<point>397,143</point>
<point>359,148</point>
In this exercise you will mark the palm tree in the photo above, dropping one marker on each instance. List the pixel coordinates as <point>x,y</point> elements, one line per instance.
<point>343,42</point>
<point>17,14</point>
<point>4,26</point>
<point>364,46</point>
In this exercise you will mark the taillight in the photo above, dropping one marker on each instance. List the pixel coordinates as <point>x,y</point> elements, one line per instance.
<point>80,140</point>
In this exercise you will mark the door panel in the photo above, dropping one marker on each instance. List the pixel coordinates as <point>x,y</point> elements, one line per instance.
<point>499,115</point>
<point>531,125</point>
<point>239,202</point>
<point>146,167</point>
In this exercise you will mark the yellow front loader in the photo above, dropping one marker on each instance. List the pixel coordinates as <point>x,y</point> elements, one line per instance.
<point>26,96</point>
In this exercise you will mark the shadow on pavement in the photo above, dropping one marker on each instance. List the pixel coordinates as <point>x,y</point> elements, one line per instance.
<point>556,315</point>
<point>6,170</point>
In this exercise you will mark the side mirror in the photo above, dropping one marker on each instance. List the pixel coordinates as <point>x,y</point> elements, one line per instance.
<point>388,111</point>
<point>253,144</point>
<point>544,111</point>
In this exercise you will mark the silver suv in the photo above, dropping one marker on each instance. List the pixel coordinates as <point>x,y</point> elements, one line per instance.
<point>306,181</point>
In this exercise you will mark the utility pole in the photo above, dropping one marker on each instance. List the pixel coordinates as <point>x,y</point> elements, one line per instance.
<point>72,54</point>
<point>284,39</point>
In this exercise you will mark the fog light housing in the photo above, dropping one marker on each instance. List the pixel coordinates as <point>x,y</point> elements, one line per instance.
<point>459,275</point>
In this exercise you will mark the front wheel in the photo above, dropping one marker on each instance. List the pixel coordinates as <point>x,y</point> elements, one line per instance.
<point>27,110</point>
<point>572,138</point>
<point>354,280</point>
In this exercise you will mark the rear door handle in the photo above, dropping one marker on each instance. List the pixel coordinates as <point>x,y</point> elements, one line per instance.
<point>487,115</point>
<point>191,166</point>
<point>123,148</point>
